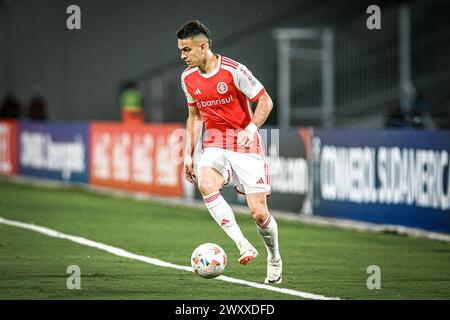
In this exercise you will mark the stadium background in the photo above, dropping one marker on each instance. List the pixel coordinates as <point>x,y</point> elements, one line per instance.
<point>383,165</point>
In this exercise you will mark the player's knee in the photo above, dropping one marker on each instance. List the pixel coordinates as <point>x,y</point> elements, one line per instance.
<point>209,181</point>
<point>206,187</point>
<point>259,214</point>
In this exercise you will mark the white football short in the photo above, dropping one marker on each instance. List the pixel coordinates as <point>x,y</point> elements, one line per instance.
<point>250,171</point>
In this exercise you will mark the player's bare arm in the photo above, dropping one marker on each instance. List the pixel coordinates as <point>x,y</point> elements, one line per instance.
<point>262,111</point>
<point>194,125</point>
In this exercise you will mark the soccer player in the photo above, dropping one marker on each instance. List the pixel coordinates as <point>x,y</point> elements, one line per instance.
<point>219,92</point>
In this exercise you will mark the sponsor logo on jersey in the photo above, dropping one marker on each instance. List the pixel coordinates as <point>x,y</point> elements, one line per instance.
<point>214,102</point>
<point>197,91</point>
<point>222,87</point>
<point>248,75</point>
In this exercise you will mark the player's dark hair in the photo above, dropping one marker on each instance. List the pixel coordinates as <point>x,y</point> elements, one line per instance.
<point>193,28</point>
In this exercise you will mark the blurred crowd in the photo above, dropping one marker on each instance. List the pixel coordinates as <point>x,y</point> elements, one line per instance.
<point>12,108</point>
<point>414,114</point>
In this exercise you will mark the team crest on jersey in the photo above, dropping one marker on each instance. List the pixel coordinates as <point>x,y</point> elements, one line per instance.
<point>222,87</point>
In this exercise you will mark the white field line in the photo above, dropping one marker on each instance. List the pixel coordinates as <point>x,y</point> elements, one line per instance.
<point>123,253</point>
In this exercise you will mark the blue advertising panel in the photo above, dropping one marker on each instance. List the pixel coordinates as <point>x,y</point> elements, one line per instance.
<point>398,177</point>
<point>54,150</point>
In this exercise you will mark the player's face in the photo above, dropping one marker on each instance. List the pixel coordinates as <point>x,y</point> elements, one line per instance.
<point>192,51</point>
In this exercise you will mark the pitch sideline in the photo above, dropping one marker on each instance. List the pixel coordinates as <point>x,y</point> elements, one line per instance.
<point>123,253</point>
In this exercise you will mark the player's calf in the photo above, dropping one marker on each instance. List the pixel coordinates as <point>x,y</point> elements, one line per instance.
<point>269,232</point>
<point>258,211</point>
<point>222,213</point>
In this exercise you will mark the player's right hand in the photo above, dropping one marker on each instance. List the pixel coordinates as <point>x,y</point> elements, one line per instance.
<point>189,169</point>
<point>245,138</point>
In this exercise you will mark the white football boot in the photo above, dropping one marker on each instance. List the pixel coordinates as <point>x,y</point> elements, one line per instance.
<point>247,252</point>
<point>274,271</point>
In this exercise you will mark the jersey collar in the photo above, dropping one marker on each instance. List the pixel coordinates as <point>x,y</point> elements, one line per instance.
<point>212,73</point>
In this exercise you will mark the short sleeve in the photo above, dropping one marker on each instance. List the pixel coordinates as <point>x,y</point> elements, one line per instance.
<point>190,100</point>
<point>247,83</point>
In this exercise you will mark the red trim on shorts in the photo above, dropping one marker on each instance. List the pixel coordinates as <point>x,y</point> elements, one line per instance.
<point>266,171</point>
<point>267,194</point>
<point>235,188</point>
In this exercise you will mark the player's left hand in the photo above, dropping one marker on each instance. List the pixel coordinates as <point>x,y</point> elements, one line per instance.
<point>245,138</point>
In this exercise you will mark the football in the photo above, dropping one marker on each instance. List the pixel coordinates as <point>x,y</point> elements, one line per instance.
<point>208,260</point>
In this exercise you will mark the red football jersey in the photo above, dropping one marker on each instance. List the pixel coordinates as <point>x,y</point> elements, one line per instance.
<point>224,98</point>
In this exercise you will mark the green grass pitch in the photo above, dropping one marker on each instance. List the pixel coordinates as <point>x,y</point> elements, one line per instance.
<point>319,260</point>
